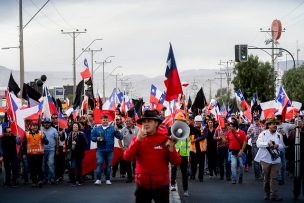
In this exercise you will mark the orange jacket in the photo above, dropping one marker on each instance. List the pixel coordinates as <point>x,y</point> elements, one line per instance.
<point>34,143</point>
<point>202,144</point>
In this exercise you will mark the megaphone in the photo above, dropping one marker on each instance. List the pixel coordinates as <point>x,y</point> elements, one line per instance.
<point>180,130</point>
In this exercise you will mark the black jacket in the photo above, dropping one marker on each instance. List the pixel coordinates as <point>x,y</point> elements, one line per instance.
<point>8,144</point>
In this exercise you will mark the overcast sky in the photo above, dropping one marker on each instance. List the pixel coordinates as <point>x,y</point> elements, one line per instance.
<point>138,32</point>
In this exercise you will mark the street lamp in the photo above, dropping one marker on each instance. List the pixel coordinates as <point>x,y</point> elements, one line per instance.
<point>5,48</point>
<point>103,78</point>
<point>74,34</point>
<point>83,50</point>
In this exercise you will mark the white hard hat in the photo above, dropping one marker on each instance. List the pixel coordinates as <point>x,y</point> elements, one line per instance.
<point>198,118</point>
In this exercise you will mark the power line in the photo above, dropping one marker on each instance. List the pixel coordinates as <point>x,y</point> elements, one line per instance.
<point>293,10</point>
<point>61,16</point>
<point>52,21</point>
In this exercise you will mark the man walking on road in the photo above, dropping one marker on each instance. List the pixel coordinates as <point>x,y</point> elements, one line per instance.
<point>237,143</point>
<point>153,150</point>
<point>269,142</point>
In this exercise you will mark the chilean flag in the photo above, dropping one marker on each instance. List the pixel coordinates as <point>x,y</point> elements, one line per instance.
<point>283,102</point>
<point>157,98</point>
<point>126,104</point>
<point>18,115</point>
<point>110,103</point>
<point>173,83</point>
<point>85,71</point>
<point>240,97</point>
<point>269,109</point>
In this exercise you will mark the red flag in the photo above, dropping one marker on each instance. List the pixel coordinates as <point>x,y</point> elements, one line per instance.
<point>173,84</point>
<point>89,161</point>
<point>98,114</point>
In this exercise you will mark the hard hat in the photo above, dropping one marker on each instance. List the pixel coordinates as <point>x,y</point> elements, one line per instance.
<point>198,118</point>
<point>180,116</point>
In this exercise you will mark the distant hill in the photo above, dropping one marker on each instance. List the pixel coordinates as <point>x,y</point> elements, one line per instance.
<point>137,85</point>
<point>286,65</point>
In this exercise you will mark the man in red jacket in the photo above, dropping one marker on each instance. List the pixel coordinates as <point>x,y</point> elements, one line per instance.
<point>153,150</point>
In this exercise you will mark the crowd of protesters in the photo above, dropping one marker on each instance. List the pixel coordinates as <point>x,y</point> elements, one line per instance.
<point>47,152</point>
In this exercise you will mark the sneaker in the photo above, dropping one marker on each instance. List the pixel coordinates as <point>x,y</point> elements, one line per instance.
<point>266,197</point>
<point>59,180</point>
<point>34,185</point>
<point>97,182</point>
<point>240,180</point>
<point>186,193</point>
<point>233,182</point>
<point>78,183</point>
<point>173,187</point>
<point>108,182</point>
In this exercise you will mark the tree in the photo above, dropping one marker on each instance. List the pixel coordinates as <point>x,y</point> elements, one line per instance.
<point>222,98</point>
<point>254,76</point>
<point>293,83</point>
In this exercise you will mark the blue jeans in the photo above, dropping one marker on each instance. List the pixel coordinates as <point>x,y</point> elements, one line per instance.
<point>256,165</point>
<point>235,160</point>
<point>25,169</point>
<point>101,158</point>
<point>49,165</point>
<point>281,176</point>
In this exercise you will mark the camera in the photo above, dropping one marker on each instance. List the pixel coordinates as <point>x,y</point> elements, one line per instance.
<point>275,154</point>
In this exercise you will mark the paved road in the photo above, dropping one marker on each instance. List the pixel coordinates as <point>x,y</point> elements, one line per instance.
<point>216,191</point>
<point>119,191</point>
<point>211,190</point>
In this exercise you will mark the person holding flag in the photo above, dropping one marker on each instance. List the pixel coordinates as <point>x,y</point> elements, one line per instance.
<point>104,136</point>
<point>33,146</point>
<point>222,151</point>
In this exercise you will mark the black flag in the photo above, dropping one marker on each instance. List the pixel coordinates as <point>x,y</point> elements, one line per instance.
<point>79,94</point>
<point>199,101</point>
<point>138,103</point>
<point>189,103</point>
<point>13,86</point>
<point>30,93</point>
<point>59,105</point>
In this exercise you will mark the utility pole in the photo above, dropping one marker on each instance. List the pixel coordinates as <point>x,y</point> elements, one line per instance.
<point>74,34</point>
<point>21,55</point>
<point>220,78</point>
<point>298,50</point>
<point>103,75</point>
<point>227,72</point>
<point>210,93</point>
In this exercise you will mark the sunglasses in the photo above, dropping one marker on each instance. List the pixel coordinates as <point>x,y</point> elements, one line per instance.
<point>8,131</point>
<point>55,118</point>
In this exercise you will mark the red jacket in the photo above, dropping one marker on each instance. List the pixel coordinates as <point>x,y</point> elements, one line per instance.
<point>152,160</point>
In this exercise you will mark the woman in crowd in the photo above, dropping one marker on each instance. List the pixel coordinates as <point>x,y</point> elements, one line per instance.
<point>76,145</point>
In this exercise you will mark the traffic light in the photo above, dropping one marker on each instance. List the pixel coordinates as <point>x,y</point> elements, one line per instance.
<point>241,53</point>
